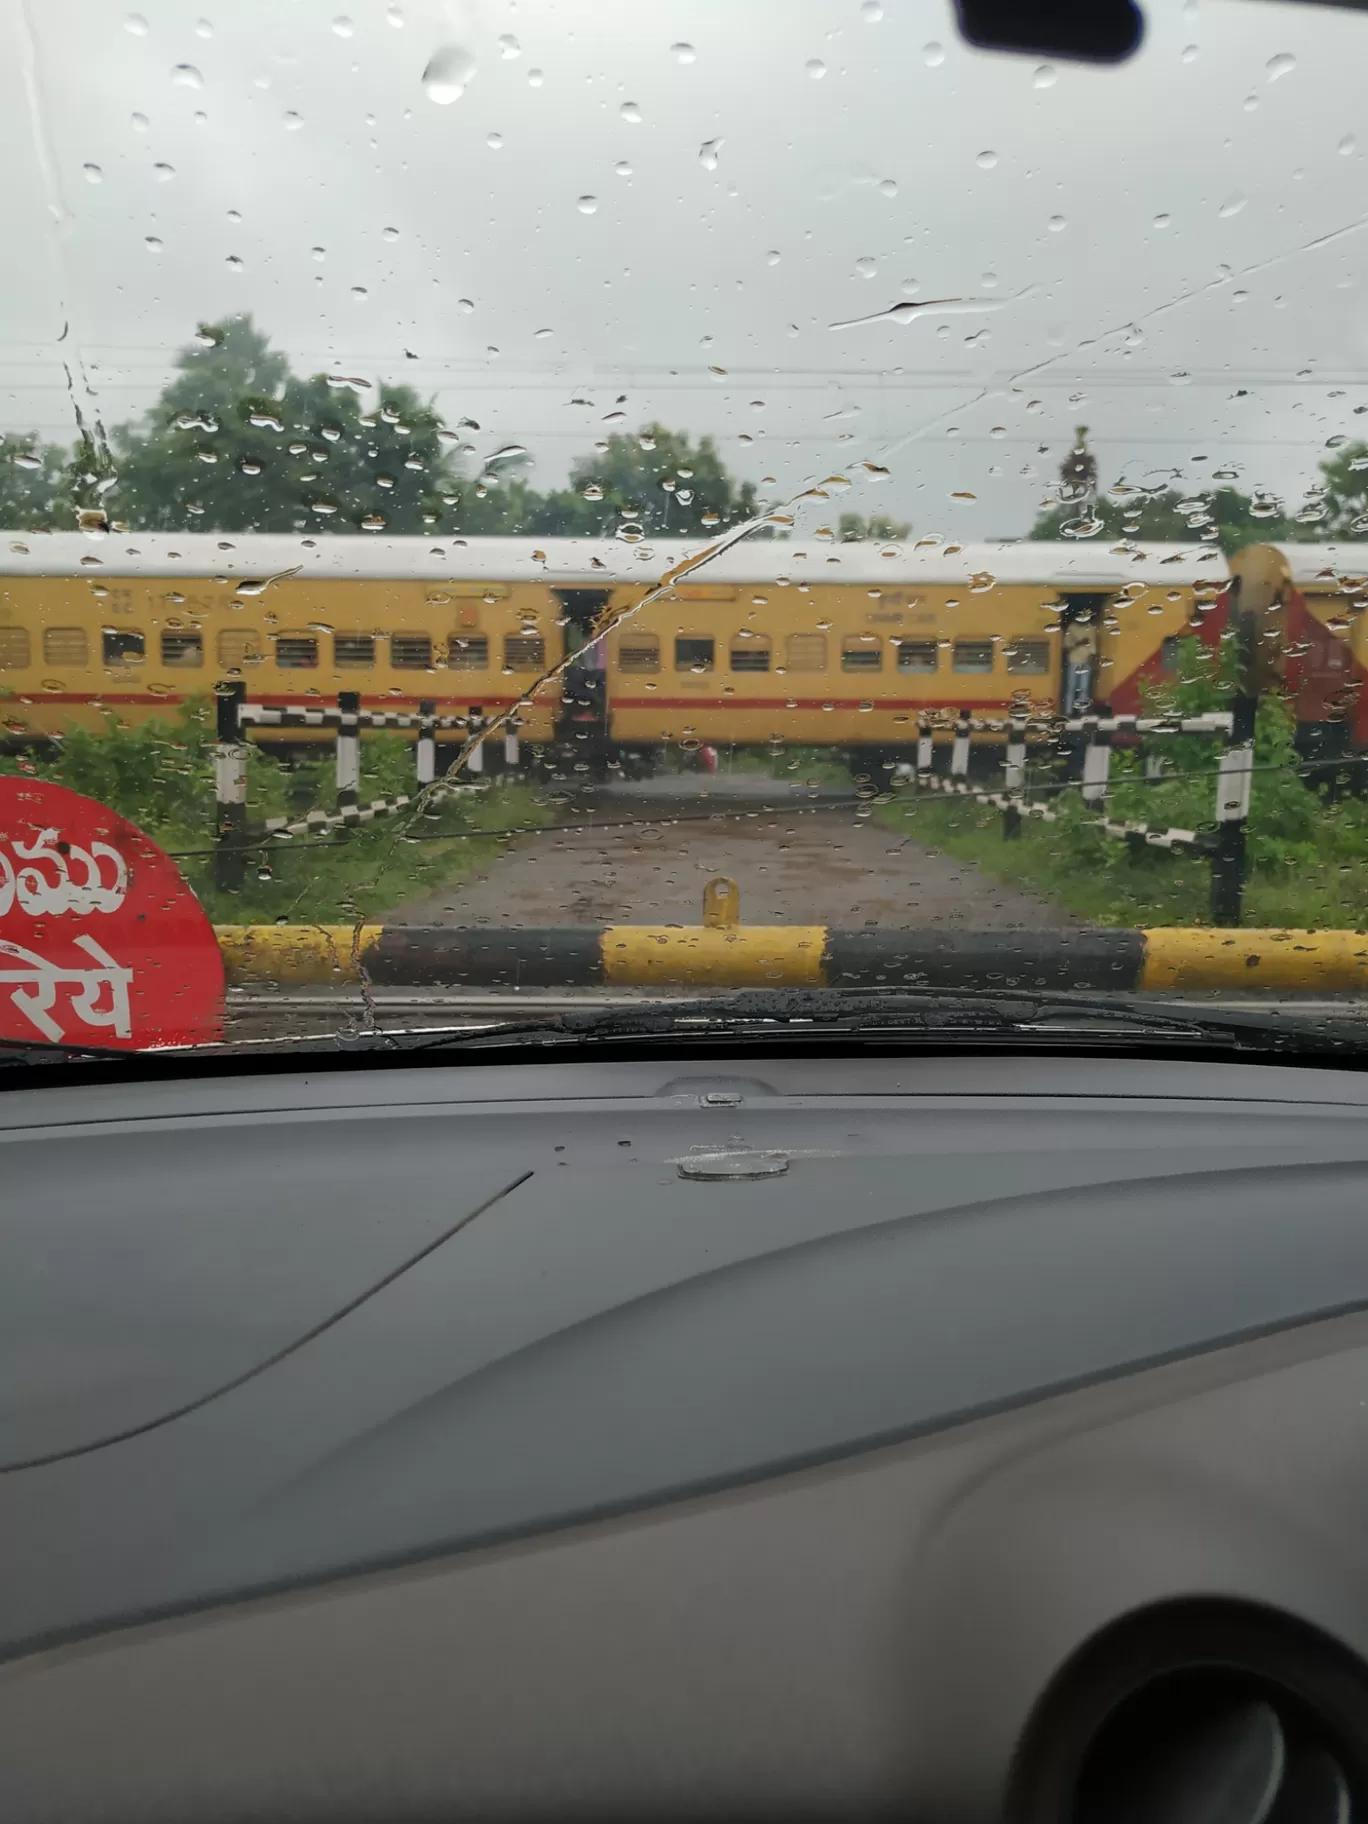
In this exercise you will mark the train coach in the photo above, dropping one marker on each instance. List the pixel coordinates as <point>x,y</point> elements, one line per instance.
<point>845,645</point>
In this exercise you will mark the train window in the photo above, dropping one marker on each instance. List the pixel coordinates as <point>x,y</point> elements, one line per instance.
<point>123,647</point>
<point>750,651</point>
<point>66,646</point>
<point>861,652</point>
<point>1170,651</point>
<point>353,651</point>
<point>917,655</point>
<point>411,651</point>
<point>806,652</point>
<point>524,652</point>
<point>1029,658</point>
<point>14,648</point>
<point>693,654</point>
<point>238,646</point>
<point>639,652</point>
<point>468,652</point>
<point>973,656</point>
<point>296,651</point>
<point>182,649</point>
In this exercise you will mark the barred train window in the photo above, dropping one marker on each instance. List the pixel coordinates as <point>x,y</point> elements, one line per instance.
<point>122,646</point>
<point>66,646</point>
<point>973,656</point>
<point>296,651</point>
<point>184,651</point>
<point>807,652</point>
<point>353,651</point>
<point>861,652</point>
<point>693,654</point>
<point>639,652</point>
<point>917,655</point>
<point>1029,658</point>
<point>14,648</point>
<point>411,651</point>
<point>468,652</point>
<point>239,646</point>
<point>750,652</point>
<point>524,652</point>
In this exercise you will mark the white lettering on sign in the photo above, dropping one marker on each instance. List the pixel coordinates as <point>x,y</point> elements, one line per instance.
<point>99,997</point>
<point>61,877</point>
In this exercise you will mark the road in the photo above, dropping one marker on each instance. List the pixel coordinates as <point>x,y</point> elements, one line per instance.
<point>641,853</point>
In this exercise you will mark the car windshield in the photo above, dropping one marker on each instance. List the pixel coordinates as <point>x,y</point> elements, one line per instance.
<point>513,507</point>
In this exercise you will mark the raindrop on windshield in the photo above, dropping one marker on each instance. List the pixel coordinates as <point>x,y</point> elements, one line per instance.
<point>509,46</point>
<point>622,168</point>
<point>204,28</point>
<point>465,305</point>
<point>587,205</point>
<point>1281,65</point>
<point>163,173</point>
<point>1162,221</point>
<point>631,113</point>
<point>389,234</point>
<point>986,160</point>
<point>888,187</point>
<point>359,292</point>
<point>592,492</point>
<point>25,459</point>
<point>343,26</point>
<point>140,122</point>
<point>507,453</point>
<point>447,74</point>
<point>93,174</point>
<point>152,243</point>
<point>494,141</point>
<point>866,266</point>
<point>136,24</point>
<point>535,79</point>
<point>1057,224</point>
<point>1045,77</point>
<point>293,122</point>
<point>683,53</point>
<point>1232,205</point>
<point>933,54</point>
<point>394,17</point>
<point>234,261</point>
<point>707,154</point>
<point>871,12</point>
<point>772,257</point>
<point>186,76</point>
<point>1347,145</point>
<point>815,68</point>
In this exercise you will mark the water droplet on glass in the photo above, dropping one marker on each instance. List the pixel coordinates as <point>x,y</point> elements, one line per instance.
<point>465,306</point>
<point>248,467</point>
<point>933,54</point>
<point>888,187</point>
<point>535,78</point>
<point>1046,76</point>
<point>1346,146</point>
<point>622,168</point>
<point>507,453</point>
<point>587,205</point>
<point>234,261</point>
<point>772,257</point>
<point>394,17</point>
<point>140,123</point>
<point>92,174</point>
<point>1162,221</point>
<point>866,266</point>
<point>359,292</point>
<point>986,160</point>
<point>1232,205</point>
<point>163,173</point>
<point>389,234</point>
<point>871,11</point>
<point>448,72</point>
<point>1189,53</point>
<point>592,492</point>
<point>963,494</point>
<point>136,24</point>
<point>631,113</point>
<point>1057,224</point>
<point>186,76</point>
<point>815,68</point>
<point>25,459</point>
<point>509,46</point>
<point>494,141</point>
<point>1180,378</point>
<point>204,28</point>
<point>707,154</point>
<point>683,53</point>
<point>1281,65</point>
<point>293,121</point>
<point>343,26</point>
<point>152,243</point>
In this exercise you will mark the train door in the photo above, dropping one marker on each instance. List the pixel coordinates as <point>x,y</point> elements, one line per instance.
<point>1324,683</point>
<point>1080,666</point>
<point>584,691</point>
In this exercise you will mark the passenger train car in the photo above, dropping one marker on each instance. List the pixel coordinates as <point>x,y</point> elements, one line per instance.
<point>776,639</point>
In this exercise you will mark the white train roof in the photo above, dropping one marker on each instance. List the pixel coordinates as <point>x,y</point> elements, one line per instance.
<point>1325,564</point>
<point>594,563</point>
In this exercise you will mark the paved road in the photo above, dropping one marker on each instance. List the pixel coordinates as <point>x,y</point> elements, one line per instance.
<point>799,856</point>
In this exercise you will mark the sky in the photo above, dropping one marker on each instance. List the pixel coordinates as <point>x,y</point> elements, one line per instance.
<point>595,213</point>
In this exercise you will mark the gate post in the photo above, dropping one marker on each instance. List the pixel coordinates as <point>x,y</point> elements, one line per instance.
<point>348,749</point>
<point>230,787</point>
<point>1014,776</point>
<point>1233,781</point>
<point>426,750</point>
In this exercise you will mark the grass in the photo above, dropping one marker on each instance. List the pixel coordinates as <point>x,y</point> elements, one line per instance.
<point>159,775</point>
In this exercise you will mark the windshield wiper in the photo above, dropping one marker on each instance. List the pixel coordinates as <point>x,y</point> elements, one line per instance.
<point>928,1017</point>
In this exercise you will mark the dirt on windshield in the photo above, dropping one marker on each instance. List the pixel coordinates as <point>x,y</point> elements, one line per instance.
<point>641,854</point>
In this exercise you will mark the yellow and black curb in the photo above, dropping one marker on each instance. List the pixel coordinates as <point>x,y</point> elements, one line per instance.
<point>794,956</point>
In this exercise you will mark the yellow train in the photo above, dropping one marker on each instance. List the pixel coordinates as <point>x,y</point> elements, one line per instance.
<point>791,640</point>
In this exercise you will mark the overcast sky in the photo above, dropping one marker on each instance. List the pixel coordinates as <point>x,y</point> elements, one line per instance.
<point>798,164</point>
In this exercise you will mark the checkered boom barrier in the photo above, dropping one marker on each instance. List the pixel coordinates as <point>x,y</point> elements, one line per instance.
<point>1092,738</point>
<point>346,720</point>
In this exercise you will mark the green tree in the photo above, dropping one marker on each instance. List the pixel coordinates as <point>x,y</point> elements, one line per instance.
<point>853,526</point>
<point>32,483</point>
<point>238,443</point>
<point>1345,497</point>
<point>656,478</point>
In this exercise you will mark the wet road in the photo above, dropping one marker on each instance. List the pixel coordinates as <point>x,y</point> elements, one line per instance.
<point>798,855</point>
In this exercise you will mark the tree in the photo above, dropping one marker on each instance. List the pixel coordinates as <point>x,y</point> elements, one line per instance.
<point>237,443</point>
<point>32,483</point>
<point>1345,497</point>
<point>853,526</point>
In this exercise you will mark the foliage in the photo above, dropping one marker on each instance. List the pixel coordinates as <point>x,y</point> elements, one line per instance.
<point>1345,500</point>
<point>32,482</point>
<point>852,526</point>
<point>238,443</point>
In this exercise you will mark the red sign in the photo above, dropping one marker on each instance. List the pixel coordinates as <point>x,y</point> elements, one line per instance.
<point>101,941</point>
